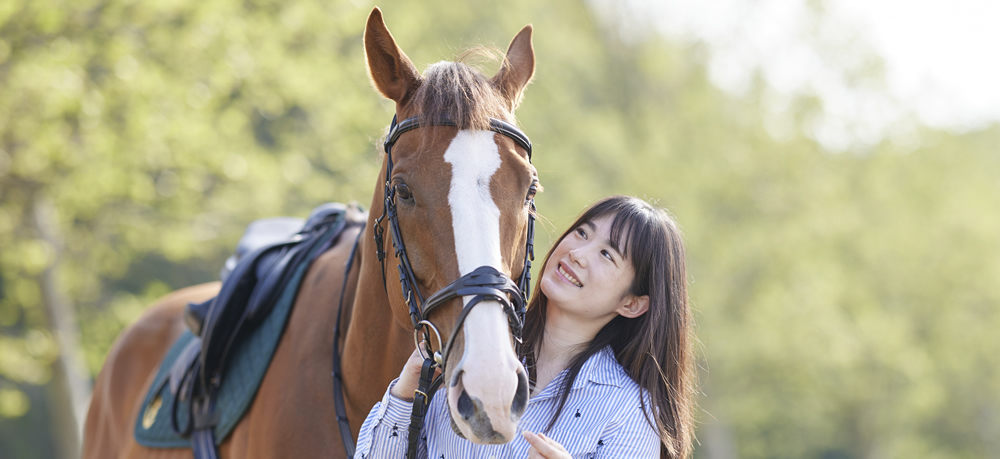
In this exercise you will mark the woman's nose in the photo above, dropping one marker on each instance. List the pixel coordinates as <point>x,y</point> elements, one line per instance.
<point>576,256</point>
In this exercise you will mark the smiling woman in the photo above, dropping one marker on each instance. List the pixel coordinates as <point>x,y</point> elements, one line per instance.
<point>607,347</point>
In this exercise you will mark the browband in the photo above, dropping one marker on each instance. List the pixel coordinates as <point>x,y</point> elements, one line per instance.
<point>413,122</point>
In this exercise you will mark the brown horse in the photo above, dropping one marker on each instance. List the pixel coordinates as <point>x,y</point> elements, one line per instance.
<point>462,197</point>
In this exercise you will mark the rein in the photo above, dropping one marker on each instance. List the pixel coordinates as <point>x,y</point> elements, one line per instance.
<point>484,283</point>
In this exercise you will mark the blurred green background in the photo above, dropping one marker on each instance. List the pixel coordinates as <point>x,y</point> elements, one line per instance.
<point>844,299</point>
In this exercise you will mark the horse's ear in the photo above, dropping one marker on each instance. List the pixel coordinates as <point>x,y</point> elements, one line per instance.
<point>391,71</point>
<point>517,69</point>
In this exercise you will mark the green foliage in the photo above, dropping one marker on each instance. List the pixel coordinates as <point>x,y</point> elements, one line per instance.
<point>157,131</point>
<point>844,300</point>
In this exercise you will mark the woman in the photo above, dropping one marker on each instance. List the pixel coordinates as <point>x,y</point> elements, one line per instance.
<point>607,346</point>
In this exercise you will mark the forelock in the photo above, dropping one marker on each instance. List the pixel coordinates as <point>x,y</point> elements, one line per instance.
<point>460,93</point>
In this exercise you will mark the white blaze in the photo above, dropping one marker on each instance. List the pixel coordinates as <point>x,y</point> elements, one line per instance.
<point>475,218</point>
<point>488,363</point>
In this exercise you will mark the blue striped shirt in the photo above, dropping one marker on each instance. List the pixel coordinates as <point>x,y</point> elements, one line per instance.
<point>602,418</point>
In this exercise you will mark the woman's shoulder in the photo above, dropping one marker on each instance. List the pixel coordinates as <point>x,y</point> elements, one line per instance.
<point>604,418</point>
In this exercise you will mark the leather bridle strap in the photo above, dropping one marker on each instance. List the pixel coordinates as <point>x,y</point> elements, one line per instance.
<point>421,402</point>
<point>413,122</point>
<point>484,283</point>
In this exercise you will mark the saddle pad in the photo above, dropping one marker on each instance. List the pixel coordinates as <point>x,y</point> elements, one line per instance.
<point>242,377</point>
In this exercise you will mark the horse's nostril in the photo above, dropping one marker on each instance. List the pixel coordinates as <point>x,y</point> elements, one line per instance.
<point>520,397</point>
<point>465,406</point>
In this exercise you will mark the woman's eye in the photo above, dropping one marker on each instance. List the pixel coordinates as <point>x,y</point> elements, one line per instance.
<point>403,192</point>
<point>581,233</point>
<point>607,255</point>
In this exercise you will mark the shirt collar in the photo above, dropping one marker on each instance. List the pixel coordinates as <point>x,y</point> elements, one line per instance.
<point>601,368</point>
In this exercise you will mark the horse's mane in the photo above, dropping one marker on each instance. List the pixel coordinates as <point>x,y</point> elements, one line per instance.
<point>459,92</point>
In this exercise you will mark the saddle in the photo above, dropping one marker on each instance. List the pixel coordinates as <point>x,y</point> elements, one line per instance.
<point>273,254</point>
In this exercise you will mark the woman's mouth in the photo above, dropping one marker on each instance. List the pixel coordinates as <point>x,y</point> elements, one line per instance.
<point>568,276</point>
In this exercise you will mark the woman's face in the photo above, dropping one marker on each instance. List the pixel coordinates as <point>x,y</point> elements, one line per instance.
<point>586,277</point>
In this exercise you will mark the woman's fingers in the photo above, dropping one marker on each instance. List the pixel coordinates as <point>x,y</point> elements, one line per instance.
<point>543,447</point>
<point>536,443</point>
<point>409,378</point>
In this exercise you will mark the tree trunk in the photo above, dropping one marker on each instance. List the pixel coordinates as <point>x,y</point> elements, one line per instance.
<point>989,431</point>
<point>70,386</point>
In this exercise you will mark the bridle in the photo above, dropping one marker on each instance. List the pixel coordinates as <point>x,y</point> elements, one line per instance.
<point>484,283</point>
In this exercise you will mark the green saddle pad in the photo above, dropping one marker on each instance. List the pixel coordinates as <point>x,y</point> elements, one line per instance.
<point>242,377</point>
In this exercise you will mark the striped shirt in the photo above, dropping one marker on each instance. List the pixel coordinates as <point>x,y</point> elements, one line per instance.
<point>602,418</point>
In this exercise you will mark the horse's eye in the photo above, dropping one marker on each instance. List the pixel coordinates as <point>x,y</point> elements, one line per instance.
<point>403,192</point>
<point>532,191</point>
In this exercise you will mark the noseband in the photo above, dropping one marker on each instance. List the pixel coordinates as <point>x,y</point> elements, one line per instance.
<point>484,283</point>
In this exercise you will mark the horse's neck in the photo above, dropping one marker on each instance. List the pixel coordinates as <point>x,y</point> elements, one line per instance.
<point>375,345</point>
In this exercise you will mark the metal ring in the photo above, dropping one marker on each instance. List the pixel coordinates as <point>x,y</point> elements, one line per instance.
<point>416,340</point>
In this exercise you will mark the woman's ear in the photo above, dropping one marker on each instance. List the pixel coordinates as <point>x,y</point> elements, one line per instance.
<point>634,306</point>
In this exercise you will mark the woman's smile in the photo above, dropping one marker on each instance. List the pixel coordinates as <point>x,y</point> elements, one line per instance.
<point>568,274</point>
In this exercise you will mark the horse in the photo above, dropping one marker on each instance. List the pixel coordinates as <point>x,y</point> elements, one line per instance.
<point>462,194</point>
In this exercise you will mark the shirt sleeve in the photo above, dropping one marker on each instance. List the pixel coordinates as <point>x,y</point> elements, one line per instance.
<point>384,433</point>
<point>630,436</point>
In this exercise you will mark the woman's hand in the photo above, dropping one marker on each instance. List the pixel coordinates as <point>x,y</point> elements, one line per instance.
<point>409,378</point>
<point>543,447</point>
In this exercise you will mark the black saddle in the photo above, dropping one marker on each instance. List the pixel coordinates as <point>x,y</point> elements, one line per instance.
<point>252,280</point>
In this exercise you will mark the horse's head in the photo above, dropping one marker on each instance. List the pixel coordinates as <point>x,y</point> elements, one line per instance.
<point>462,195</point>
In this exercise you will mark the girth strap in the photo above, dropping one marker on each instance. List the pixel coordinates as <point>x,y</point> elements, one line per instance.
<point>204,418</point>
<point>338,379</point>
<point>203,444</point>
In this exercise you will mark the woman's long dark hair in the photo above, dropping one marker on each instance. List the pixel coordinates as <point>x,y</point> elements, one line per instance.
<point>655,349</point>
